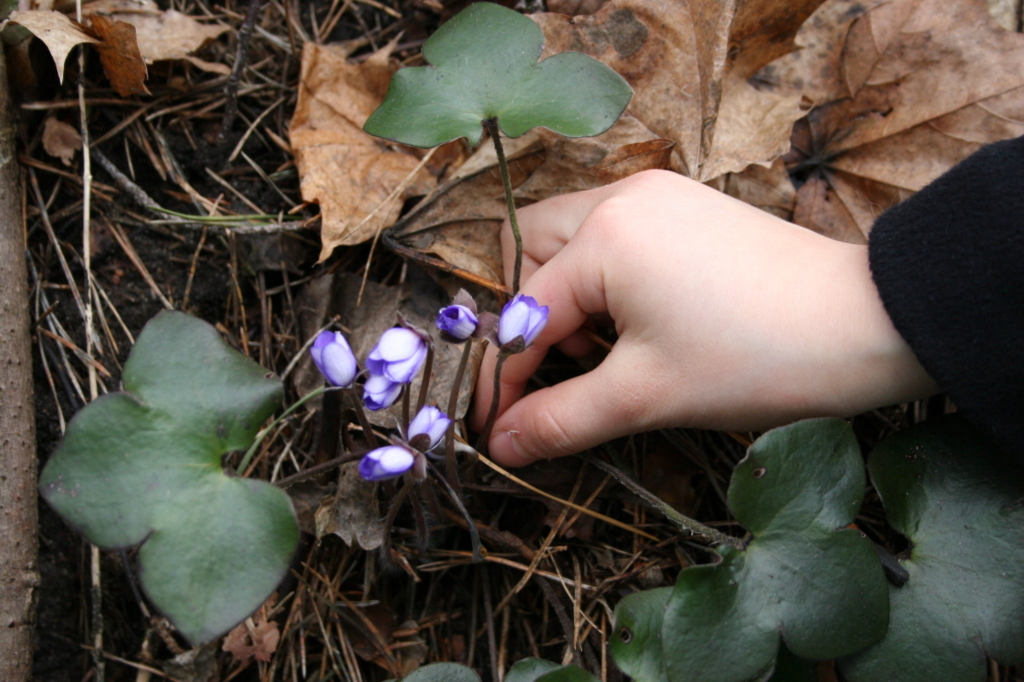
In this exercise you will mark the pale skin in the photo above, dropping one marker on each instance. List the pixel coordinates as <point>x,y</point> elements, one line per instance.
<point>727,317</point>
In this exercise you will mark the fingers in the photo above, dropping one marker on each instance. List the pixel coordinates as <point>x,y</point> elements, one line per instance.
<point>574,415</point>
<point>546,227</point>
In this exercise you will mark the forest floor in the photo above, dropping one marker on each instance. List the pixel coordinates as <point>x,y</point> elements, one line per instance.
<point>552,574</point>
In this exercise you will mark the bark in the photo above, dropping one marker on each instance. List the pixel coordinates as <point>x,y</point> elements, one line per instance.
<point>18,572</point>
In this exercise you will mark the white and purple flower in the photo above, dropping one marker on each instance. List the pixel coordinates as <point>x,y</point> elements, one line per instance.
<point>427,428</point>
<point>457,321</point>
<point>380,392</point>
<point>522,316</point>
<point>386,462</point>
<point>334,358</point>
<point>398,355</point>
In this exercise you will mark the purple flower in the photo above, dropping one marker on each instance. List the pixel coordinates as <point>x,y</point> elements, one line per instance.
<point>386,462</point>
<point>458,321</point>
<point>429,425</point>
<point>521,317</point>
<point>380,392</point>
<point>398,355</point>
<point>334,358</point>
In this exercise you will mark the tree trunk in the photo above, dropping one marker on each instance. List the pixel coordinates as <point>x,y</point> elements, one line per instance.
<point>18,541</point>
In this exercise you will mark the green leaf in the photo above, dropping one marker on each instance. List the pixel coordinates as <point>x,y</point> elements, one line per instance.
<point>442,672</point>
<point>144,466</point>
<point>485,66</point>
<point>960,502</point>
<point>539,670</point>
<point>804,580</point>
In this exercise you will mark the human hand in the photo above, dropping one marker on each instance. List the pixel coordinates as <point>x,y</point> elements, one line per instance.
<point>727,317</point>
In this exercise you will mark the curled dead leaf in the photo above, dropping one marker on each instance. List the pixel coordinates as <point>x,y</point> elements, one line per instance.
<point>163,35</point>
<point>61,140</point>
<point>252,640</point>
<point>119,53</point>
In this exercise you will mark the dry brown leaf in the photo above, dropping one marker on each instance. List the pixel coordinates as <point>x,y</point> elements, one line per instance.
<point>252,640</point>
<point>349,172</point>
<point>770,189</point>
<point>688,64</point>
<point>353,513</point>
<point>461,222</point>
<point>56,30</point>
<point>119,53</point>
<point>61,140</point>
<point>163,35</point>
<point>903,90</point>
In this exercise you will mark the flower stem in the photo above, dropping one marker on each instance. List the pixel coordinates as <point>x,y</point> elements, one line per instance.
<point>474,534</point>
<point>506,179</point>
<point>357,405</point>
<point>691,526</point>
<point>428,367</point>
<point>492,415</point>
<point>453,406</point>
<point>247,458</point>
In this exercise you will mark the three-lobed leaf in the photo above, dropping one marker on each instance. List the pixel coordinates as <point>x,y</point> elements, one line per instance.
<point>144,466</point>
<point>804,580</point>
<point>961,505</point>
<point>484,66</point>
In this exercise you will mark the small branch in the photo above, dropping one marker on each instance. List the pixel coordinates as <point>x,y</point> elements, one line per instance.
<point>687,524</point>
<point>506,179</point>
<point>241,58</point>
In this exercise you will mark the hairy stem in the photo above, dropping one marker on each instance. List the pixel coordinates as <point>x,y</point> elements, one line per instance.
<point>428,367</point>
<point>506,179</point>
<point>492,414</point>
<point>474,535</point>
<point>364,422</point>
<point>453,406</point>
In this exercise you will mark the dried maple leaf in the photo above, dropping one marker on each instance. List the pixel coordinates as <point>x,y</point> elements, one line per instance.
<point>119,53</point>
<point>347,171</point>
<point>903,90</point>
<point>688,66</point>
<point>56,30</point>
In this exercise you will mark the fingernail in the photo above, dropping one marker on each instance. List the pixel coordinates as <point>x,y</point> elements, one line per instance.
<point>505,447</point>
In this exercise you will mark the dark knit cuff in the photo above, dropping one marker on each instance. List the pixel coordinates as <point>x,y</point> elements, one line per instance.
<point>949,265</point>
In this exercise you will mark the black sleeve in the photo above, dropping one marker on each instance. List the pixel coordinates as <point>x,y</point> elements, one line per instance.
<point>949,265</point>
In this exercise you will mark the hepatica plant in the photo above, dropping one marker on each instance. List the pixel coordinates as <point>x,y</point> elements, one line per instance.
<point>484,73</point>
<point>144,466</point>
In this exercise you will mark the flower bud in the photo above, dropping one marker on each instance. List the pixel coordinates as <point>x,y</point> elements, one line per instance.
<point>521,316</point>
<point>429,425</point>
<point>398,355</point>
<point>380,392</point>
<point>457,321</point>
<point>386,462</point>
<point>334,358</point>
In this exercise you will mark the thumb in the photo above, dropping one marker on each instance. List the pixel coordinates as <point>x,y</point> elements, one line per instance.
<point>574,415</point>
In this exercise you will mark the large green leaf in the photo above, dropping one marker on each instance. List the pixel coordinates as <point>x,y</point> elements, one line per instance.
<point>961,505</point>
<point>442,672</point>
<point>804,580</point>
<point>144,466</point>
<point>485,67</point>
<point>539,670</point>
